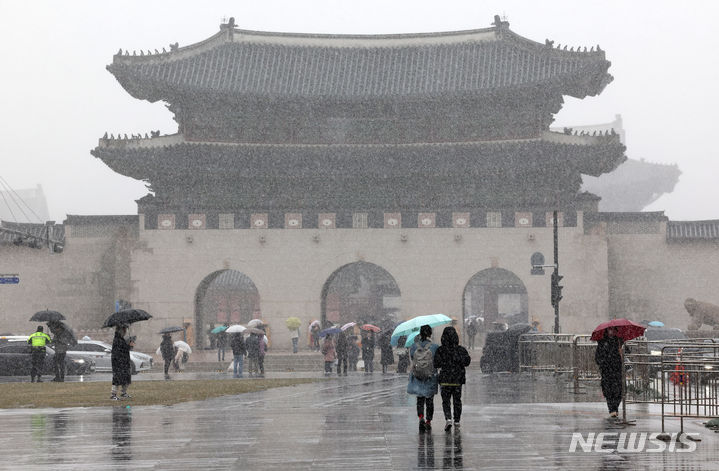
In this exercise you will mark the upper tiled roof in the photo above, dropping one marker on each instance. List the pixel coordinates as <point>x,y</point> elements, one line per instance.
<point>693,230</point>
<point>239,62</point>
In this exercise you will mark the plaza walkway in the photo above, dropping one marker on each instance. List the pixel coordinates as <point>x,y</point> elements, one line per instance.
<point>357,422</point>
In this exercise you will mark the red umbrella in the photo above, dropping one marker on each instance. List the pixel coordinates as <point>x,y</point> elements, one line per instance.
<point>626,329</point>
<point>371,327</point>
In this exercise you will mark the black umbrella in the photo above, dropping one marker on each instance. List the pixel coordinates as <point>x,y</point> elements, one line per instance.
<point>128,316</point>
<point>47,316</point>
<point>62,332</point>
<point>169,330</point>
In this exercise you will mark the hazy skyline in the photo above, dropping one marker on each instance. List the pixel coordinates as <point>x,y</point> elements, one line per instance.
<point>58,98</point>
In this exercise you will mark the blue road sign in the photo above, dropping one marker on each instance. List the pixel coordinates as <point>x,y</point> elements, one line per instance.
<point>9,279</point>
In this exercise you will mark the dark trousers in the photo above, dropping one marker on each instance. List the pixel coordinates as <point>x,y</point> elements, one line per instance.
<point>220,353</point>
<point>453,393</point>
<point>341,360</point>
<point>261,364</point>
<point>37,358</point>
<point>59,366</point>
<point>425,407</point>
<point>612,390</point>
<point>168,362</point>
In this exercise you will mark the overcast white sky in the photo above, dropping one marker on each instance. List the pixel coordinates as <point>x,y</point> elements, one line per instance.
<point>57,99</point>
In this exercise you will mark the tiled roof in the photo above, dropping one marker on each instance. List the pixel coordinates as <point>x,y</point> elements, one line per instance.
<point>144,158</point>
<point>238,62</point>
<point>10,231</point>
<point>693,230</point>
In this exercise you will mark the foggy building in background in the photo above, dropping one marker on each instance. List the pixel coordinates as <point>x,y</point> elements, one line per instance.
<point>369,178</point>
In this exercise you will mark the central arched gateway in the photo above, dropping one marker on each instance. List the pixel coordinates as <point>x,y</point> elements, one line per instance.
<point>361,292</point>
<point>224,297</point>
<point>497,295</point>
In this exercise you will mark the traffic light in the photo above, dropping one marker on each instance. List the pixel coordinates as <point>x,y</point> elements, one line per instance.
<point>556,289</point>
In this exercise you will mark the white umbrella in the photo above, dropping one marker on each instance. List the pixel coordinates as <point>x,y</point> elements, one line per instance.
<point>235,329</point>
<point>254,323</point>
<point>348,325</point>
<point>182,346</point>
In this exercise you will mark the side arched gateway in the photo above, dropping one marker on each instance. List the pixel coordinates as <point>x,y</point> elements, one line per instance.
<point>361,292</point>
<point>497,296</point>
<point>225,296</point>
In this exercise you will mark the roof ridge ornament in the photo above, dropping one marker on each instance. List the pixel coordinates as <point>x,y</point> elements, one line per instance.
<point>500,23</point>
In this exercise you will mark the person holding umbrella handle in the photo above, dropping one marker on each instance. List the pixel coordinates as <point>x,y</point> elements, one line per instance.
<point>121,363</point>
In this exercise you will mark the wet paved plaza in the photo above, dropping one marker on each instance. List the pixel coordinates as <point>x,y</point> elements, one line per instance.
<point>356,422</point>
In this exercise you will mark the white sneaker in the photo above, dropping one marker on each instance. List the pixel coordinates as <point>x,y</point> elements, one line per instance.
<point>456,425</point>
<point>447,425</point>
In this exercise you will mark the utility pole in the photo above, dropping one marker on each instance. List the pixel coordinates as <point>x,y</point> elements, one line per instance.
<point>556,278</point>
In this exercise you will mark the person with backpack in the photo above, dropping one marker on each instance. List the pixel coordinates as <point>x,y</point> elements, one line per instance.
<point>237,343</point>
<point>423,376</point>
<point>451,359</point>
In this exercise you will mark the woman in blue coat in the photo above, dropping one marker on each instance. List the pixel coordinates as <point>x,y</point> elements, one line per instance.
<point>425,389</point>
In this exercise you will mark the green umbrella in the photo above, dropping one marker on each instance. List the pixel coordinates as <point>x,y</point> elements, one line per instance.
<point>218,329</point>
<point>413,325</point>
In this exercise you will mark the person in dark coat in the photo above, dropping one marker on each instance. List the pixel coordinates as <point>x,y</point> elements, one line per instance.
<point>62,339</point>
<point>341,349</point>
<point>368,351</point>
<point>385,350</point>
<point>424,389</point>
<point>353,352</point>
<point>167,349</point>
<point>121,363</point>
<point>608,357</point>
<point>253,353</point>
<point>221,345</point>
<point>451,359</point>
<point>237,343</point>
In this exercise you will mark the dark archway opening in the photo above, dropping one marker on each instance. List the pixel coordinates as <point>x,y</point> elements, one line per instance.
<point>224,297</point>
<point>361,292</point>
<point>495,296</point>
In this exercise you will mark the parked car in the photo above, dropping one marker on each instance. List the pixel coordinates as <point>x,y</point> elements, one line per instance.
<point>15,360</point>
<point>100,352</point>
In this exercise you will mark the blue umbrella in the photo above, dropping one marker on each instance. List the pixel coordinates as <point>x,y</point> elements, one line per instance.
<point>413,325</point>
<point>330,331</point>
<point>218,329</point>
<point>656,324</point>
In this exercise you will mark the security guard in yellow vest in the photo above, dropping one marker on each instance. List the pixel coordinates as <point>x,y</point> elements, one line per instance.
<point>37,340</point>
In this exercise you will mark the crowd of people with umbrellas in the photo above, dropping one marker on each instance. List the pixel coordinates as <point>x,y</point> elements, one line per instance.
<point>338,344</point>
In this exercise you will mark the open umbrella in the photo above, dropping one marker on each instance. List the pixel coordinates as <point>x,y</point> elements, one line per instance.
<point>47,316</point>
<point>169,330</point>
<point>348,325</point>
<point>626,329</point>
<point>63,333</point>
<point>293,323</point>
<point>410,339</point>
<point>255,323</point>
<point>370,327</point>
<point>182,346</point>
<point>218,329</point>
<point>413,325</point>
<point>127,316</point>
<point>656,324</point>
<point>236,329</point>
<point>330,331</point>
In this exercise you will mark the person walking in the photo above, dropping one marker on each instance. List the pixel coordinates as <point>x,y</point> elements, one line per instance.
<point>342,348</point>
<point>167,349</point>
<point>423,376</point>
<point>37,341</point>
<point>608,357</point>
<point>121,363</point>
<point>368,351</point>
<point>261,355</point>
<point>295,336</point>
<point>330,353</point>
<point>238,351</point>
<point>385,350</point>
<point>451,359</point>
<point>221,345</point>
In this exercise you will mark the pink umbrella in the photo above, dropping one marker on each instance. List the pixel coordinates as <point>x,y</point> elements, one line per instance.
<point>370,327</point>
<point>626,329</point>
<point>348,325</point>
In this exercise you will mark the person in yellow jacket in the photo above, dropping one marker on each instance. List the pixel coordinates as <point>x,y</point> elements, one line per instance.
<point>37,341</point>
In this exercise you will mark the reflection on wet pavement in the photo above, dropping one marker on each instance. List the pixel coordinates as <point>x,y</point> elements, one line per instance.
<point>357,422</point>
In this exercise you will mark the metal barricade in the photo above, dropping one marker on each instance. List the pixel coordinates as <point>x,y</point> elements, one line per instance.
<point>689,381</point>
<point>546,352</point>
